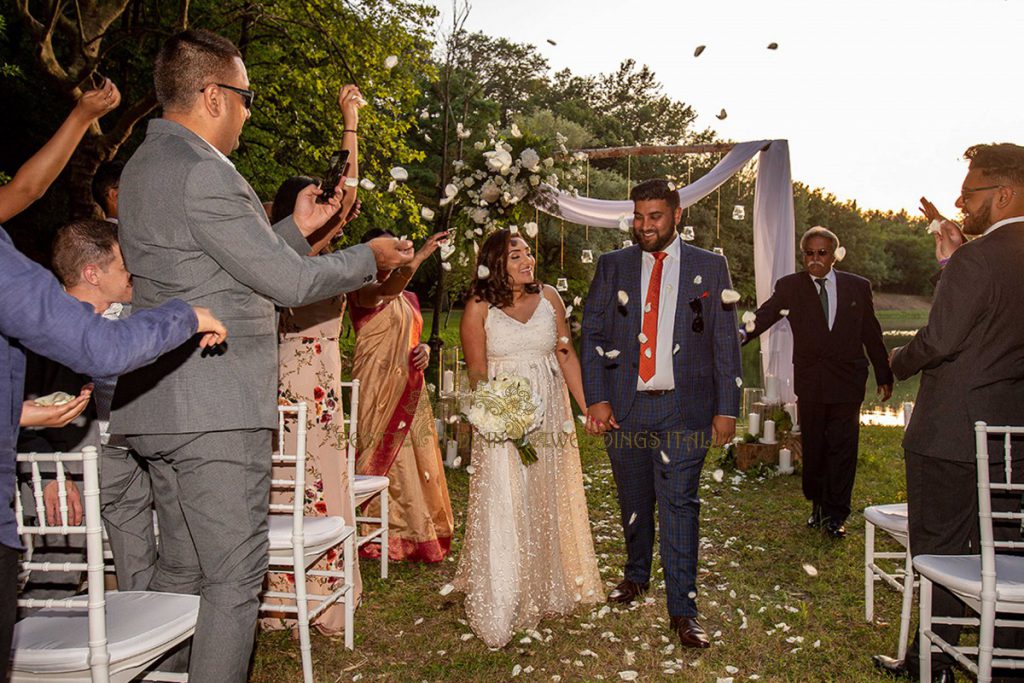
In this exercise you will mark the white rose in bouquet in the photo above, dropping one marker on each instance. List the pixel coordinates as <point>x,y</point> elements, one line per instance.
<point>507,409</point>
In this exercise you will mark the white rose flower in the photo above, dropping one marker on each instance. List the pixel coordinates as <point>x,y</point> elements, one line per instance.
<point>530,159</point>
<point>516,133</point>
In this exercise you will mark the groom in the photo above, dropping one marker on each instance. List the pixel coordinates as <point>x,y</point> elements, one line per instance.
<point>661,372</point>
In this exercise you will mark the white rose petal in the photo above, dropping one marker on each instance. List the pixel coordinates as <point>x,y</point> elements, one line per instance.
<point>628,675</point>
<point>530,229</point>
<point>599,350</point>
<point>632,518</point>
<point>750,327</point>
<point>840,253</point>
<point>642,337</point>
<point>731,670</point>
<point>675,349</point>
<point>390,62</point>
<point>568,427</point>
<point>623,298</point>
<point>483,272</point>
<point>470,469</point>
<point>568,311</point>
<point>810,569</point>
<point>351,182</point>
<point>427,214</point>
<point>446,589</point>
<point>730,296</point>
<point>401,425</point>
<point>466,636</point>
<point>647,307</point>
<point>513,229</point>
<point>697,280</point>
<point>784,312</point>
<point>564,340</point>
<point>392,186</point>
<point>426,476</point>
<point>516,670</point>
<point>614,353</point>
<point>934,227</point>
<point>367,184</point>
<point>447,266</point>
<point>457,461</point>
<point>718,475</point>
<point>748,316</point>
<point>399,174</point>
<point>647,352</point>
<point>516,133</point>
<point>739,381</point>
<point>665,458</point>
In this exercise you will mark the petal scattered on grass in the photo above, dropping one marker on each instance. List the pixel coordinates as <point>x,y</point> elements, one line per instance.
<point>718,475</point>
<point>446,589</point>
<point>810,569</point>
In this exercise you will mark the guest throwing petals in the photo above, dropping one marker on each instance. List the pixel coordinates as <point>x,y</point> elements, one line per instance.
<point>397,438</point>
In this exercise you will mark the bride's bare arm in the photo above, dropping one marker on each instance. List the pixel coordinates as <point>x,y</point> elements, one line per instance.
<point>565,351</point>
<point>474,340</point>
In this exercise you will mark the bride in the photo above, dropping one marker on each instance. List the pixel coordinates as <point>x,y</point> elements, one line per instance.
<point>528,551</point>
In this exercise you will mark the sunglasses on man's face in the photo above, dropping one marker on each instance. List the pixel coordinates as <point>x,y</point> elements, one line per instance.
<point>247,95</point>
<point>698,319</point>
<point>810,253</point>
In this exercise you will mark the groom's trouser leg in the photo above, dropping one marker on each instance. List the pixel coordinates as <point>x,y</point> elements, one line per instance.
<point>676,484</point>
<point>218,529</point>
<point>634,481</point>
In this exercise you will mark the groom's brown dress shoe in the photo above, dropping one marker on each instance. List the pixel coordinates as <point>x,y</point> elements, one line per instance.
<point>627,591</point>
<point>690,632</point>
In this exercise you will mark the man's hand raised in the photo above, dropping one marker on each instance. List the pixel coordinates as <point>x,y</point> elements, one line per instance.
<point>391,252</point>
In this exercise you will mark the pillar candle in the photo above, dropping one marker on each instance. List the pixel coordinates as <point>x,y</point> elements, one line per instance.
<point>769,431</point>
<point>448,382</point>
<point>438,427</point>
<point>754,423</point>
<point>771,388</point>
<point>785,460</point>
<point>451,452</point>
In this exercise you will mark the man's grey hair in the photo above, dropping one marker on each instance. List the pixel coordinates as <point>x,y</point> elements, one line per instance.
<point>818,231</point>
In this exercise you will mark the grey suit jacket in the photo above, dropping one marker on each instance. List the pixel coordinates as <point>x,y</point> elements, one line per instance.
<point>971,352</point>
<point>192,228</point>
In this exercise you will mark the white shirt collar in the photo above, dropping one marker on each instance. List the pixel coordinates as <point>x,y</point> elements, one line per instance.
<point>994,226</point>
<point>215,150</point>
<point>830,275</point>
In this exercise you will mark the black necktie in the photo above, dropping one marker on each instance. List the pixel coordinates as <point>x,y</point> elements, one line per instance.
<point>823,295</point>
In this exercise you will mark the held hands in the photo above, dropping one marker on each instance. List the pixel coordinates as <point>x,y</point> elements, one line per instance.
<point>390,252</point>
<point>34,415</point>
<point>884,392</point>
<point>949,238</point>
<point>420,357</point>
<point>722,429</point>
<point>95,103</point>
<point>600,418</point>
<point>213,330</point>
<point>51,502</point>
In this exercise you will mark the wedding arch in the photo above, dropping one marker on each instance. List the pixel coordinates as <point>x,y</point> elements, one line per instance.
<point>773,234</point>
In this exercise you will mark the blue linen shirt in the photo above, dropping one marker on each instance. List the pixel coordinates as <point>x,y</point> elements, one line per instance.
<point>36,314</point>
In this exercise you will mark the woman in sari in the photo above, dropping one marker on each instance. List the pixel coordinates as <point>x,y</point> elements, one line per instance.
<point>309,370</point>
<point>397,437</point>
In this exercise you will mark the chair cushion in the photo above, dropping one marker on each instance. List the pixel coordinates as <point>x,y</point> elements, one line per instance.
<point>962,574</point>
<point>891,518</point>
<point>316,531</point>
<point>366,484</point>
<point>57,640</point>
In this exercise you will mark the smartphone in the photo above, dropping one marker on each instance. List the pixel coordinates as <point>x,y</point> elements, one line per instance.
<point>336,168</point>
<point>98,80</point>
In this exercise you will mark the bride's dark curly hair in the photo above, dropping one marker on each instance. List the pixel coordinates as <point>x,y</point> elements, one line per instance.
<point>496,289</point>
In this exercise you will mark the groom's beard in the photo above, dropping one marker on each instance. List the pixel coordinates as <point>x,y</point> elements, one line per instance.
<point>658,244</point>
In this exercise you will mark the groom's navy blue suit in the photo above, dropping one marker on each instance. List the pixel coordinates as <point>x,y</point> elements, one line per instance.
<point>658,452</point>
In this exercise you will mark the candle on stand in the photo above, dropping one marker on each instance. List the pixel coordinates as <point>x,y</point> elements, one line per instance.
<point>439,427</point>
<point>769,431</point>
<point>791,409</point>
<point>785,460</point>
<point>448,382</point>
<point>754,423</point>
<point>771,389</point>
<point>451,452</point>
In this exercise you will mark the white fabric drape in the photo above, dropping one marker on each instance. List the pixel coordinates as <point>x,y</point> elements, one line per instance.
<point>774,241</point>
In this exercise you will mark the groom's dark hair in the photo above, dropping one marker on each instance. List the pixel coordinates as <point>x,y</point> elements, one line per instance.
<point>188,62</point>
<point>655,189</point>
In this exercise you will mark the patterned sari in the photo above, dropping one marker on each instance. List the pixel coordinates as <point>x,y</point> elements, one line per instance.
<point>397,437</point>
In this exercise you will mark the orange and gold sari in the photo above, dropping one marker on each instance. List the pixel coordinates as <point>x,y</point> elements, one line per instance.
<point>397,438</point>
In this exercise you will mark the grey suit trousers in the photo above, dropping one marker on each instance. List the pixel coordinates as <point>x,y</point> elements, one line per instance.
<point>212,492</point>
<point>126,503</point>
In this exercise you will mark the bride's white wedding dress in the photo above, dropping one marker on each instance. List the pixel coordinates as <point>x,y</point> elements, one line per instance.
<point>528,551</point>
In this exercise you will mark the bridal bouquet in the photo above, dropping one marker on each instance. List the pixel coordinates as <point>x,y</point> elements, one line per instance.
<point>506,409</point>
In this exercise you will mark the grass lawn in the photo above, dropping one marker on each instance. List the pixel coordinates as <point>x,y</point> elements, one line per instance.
<point>769,617</point>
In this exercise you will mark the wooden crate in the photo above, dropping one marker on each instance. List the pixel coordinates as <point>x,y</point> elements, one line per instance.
<point>751,454</point>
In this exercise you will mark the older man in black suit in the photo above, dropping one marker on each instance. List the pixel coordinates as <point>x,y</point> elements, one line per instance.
<point>971,359</point>
<point>833,321</point>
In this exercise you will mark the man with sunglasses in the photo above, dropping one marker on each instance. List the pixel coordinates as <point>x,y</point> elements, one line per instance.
<point>661,369</point>
<point>971,359</point>
<point>191,227</point>
<point>832,316</point>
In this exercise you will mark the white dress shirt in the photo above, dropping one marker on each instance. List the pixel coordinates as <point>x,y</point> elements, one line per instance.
<point>1014,219</point>
<point>830,287</point>
<point>663,378</point>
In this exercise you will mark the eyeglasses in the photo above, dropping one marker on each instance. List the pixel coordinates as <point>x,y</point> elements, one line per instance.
<point>698,320</point>
<point>820,252</point>
<point>965,191</point>
<point>247,95</point>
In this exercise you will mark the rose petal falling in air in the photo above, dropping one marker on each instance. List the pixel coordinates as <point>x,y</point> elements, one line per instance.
<point>367,184</point>
<point>401,425</point>
<point>810,569</point>
<point>721,115</point>
<point>470,469</point>
<point>447,266</point>
<point>697,280</point>
<point>351,182</point>
<point>642,338</point>
<point>750,327</point>
<point>632,518</point>
<point>564,340</point>
<point>624,223</point>
<point>614,353</point>
<point>784,312</point>
<point>568,312</point>
<point>530,229</point>
<point>427,214</point>
<point>483,272</point>
<point>399,174</point>
<point>577,300</point>
<point>748,316</point>
<point>718,475</point>
<point>513,229</point>
<point>730,296</point>
<point>675,349</point>
<point>647,352</point>
<point>664,457</point>
<point>840,253</point>
<point>390,62</point>
<point>623,298</point>
<point>446,589</point>
<point>568,427</point>
<point>599,350</point>
<point>739,381</point>
<point>392,185</point>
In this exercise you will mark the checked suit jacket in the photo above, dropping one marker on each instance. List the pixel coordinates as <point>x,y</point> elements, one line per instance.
<point>706,368</point>
<point>192,228</point>
<point>829,366</point>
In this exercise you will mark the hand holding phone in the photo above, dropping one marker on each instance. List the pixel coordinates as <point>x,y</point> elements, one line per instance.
<point>336,168</point>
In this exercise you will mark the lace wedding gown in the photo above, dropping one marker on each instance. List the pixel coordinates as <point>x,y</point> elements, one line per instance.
<point>528,551</point>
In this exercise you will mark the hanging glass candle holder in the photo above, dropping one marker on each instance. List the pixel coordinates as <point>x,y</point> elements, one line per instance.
<point>627,243</point>
<point>587,256</point>
<point>687,233</point>
<point>719,251</point>
<point>562,284</point>
<point>738,212</point>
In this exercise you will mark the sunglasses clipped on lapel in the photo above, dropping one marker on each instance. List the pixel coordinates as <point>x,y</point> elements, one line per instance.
<point>697,306</point>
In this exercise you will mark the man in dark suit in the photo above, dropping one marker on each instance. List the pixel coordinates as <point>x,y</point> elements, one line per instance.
<point>971,359</point>
<point>661,369</point>
<point>833,321</point>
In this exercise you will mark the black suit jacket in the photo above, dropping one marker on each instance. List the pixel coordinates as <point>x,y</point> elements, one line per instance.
<point>971,352</point>
<point>829,366</point>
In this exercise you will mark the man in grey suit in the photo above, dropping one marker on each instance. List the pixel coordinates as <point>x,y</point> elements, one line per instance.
<point>191,227</point>
<point>971,359</point>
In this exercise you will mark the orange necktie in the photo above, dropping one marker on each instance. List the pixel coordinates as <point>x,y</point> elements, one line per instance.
<point>649,348</point>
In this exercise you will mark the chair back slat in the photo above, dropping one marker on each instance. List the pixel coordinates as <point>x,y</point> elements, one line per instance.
<point>987,436</point>
<point>352,440</point>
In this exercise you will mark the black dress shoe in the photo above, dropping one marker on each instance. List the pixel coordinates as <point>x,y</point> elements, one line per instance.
<point>814,521</point>
<point>690,632</point>
<point>627,591</point>
<point>835,529</point>
<point>897,668</point>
